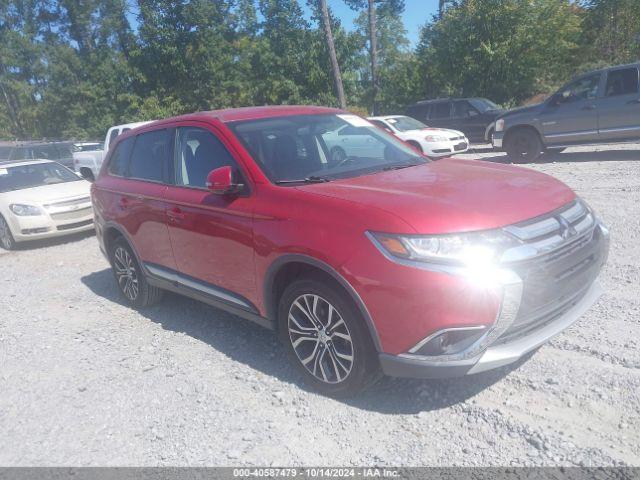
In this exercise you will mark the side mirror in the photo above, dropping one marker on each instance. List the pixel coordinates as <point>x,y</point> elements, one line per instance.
<point>220,181</point>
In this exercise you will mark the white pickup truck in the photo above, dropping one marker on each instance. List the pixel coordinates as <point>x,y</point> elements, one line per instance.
<point>88,163</point>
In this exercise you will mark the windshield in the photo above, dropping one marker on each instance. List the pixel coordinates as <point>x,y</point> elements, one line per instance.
<point>483,105</point>
<point>31,175</point>
<point>322,147</point>
<point>404,124</point>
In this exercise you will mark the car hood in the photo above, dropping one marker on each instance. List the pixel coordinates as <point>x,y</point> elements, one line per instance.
<point>517,111</point>
<point>433,131</point>
<point>49,193</point>
<point>453,195</point>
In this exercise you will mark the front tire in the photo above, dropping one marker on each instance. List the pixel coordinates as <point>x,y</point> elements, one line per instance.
<point>130,278</point>
<point>326,338</point>
<point>523,146</point>
<point>6,238</point>
<point>415,145</point>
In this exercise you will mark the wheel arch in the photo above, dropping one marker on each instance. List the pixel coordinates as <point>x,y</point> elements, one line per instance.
<point>287,267</point>
<point>522,127</point>
<point>113,231</point>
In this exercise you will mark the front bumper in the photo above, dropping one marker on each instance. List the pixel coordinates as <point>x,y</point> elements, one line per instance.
<point>55,221</point>
<point>497,355</point>
<point>446,148</point>
<point>497,139</point>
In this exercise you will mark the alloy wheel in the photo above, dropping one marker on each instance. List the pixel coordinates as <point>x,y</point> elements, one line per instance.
<point>320,338</point>
<point>126,273</point>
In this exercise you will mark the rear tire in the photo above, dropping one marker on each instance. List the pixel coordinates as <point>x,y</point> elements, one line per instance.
<point>130,278</point>
<point>6,238</point>
<point>326,338</point>
<point>523,146</point>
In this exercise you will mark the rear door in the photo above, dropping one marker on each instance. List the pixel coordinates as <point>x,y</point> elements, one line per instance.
<point>211,235</point>
<point>440,114</point>
<point>619,107</point>
<point>468,120</point>
<point>134,190</point>
<point>571,116</point>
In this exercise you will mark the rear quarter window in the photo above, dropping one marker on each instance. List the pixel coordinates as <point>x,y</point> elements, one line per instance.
<point>119,162</point>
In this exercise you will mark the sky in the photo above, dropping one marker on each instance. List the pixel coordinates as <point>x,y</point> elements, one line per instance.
<point>415,15</point>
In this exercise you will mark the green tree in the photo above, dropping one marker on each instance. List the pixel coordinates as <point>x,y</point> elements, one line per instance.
<point>506,50</point>
<point>612,31</point>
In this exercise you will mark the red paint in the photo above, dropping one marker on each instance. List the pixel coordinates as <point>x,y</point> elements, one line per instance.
<point>231,240</point>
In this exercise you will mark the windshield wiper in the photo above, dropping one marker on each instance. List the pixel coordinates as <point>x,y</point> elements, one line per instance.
<point>398,167</point>
<point>309,179</point>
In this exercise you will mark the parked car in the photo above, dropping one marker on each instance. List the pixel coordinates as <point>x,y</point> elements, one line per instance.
<point>474,117</point>
<point>41,199</point>
<point>386,261</point>
<point>434,142</point>
<point>61,152</point>
<point>88,162</point>
<point>87,146</point>
<point>602,106</point>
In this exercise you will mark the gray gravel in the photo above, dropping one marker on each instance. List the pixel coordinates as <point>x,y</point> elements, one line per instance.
<point>84,380</point>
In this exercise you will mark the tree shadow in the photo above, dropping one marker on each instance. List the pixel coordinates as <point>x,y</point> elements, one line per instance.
<point>610,155</point>
<point>260,349</point>
<point>52,242</point>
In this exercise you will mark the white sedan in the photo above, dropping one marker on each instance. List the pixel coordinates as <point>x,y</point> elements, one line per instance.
<point>433,142</point>
<point>41,199</point>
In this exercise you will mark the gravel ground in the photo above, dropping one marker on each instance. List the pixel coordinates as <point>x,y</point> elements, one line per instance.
<point>84,380</point>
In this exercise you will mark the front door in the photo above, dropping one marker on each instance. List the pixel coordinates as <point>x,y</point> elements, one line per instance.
<point>211,235</point>
<point>468,120</point>
<point>619,108</point>
<point>571,116</point>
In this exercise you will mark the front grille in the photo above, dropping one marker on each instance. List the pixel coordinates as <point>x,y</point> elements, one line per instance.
<point>68,203</point>
<point>458,137</point>
<point>70,226</point>
<point>571,250</point>
<point>73,214</point>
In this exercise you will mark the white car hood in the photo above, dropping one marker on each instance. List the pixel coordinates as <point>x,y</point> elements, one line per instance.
<point>433,131</point>
<point>56,192</point>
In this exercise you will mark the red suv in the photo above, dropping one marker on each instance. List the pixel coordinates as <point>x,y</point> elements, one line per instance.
<point>381,261</point>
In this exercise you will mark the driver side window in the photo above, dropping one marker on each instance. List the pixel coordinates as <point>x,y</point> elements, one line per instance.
<point>198,151</point>
<point>583,89</point>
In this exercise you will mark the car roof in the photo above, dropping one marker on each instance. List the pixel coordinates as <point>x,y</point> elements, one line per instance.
<point>15,163</point>
<point>133,125</point>
<point>255,113</point>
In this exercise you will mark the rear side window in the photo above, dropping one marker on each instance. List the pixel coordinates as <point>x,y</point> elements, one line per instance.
<point>420,112</point>
<point>441,110</point>
<point>119,162</point>
<point>150,155</point>
<point>112,136</point>
<point>622,82</point>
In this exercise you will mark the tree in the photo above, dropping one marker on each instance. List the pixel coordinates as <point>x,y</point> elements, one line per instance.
<point>507,50</point>
<point>335,66</point>
<point>612,31</point>
<point>394,6</point>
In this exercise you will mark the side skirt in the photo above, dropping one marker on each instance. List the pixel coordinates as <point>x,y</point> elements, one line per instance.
<point>211,295</point>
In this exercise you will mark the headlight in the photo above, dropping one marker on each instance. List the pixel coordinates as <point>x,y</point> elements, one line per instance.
<point>435,138</point>
<point>467,249</point>
<point>25,210</point>
<point>500,125</point>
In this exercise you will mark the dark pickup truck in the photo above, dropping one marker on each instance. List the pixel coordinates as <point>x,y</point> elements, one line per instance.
<point>601,106</point>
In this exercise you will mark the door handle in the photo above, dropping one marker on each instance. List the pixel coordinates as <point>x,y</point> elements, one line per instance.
<point>175,214</point>
<point>589,107</point>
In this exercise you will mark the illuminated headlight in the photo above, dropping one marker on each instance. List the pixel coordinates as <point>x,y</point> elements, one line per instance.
<point>468,249</point>
<point>500,125</point>
<point>435,138</point>
<point>25,210</point>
